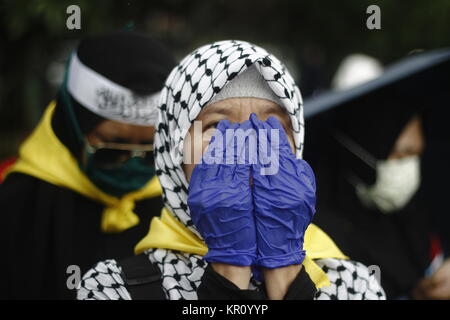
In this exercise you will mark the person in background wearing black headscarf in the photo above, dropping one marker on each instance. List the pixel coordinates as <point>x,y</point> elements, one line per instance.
<point>370,192</point>
<point>382,223</point>
<point>383,194</point>
<point>84,179</point>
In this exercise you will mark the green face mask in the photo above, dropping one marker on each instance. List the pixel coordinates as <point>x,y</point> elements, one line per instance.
<point>130,176</point>
<point>116,180</point>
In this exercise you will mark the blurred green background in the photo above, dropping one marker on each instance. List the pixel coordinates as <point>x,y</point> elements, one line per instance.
<point>312,37</point>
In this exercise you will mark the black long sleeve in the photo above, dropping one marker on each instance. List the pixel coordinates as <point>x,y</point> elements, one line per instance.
<point>47,228</point>
<point>302,288</point>
<point>216,287</point>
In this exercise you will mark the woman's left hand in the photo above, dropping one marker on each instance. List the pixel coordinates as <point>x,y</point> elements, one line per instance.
<point>284,201</point>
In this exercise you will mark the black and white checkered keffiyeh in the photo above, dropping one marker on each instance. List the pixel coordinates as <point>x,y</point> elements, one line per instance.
<point>188,89</point>
<point>191,86</point>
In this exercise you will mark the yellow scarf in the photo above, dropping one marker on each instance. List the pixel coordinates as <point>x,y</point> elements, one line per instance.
<point>43,156</point>
<point>166,232</point>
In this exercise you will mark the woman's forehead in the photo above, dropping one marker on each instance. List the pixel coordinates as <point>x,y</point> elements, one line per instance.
<point>243,107</point>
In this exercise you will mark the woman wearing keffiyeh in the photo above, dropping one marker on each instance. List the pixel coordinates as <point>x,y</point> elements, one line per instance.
<point>229,230</point>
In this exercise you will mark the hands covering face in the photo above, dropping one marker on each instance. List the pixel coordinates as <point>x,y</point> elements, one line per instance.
<point>253,201</point>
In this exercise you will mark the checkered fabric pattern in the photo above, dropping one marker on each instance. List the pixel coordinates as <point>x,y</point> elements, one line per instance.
<point>349,280</point>
<point>188,89</point>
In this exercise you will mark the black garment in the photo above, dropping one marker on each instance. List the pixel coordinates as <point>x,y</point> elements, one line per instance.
<point>143,281</point>
<point>398,242</point>
<point>216,287</point>
<point>436,159</point>
<point>46,228</point>
<point>142,278</point>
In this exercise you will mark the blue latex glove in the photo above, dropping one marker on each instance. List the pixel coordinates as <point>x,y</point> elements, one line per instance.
<point>221,202</point>
<point>284,202</point>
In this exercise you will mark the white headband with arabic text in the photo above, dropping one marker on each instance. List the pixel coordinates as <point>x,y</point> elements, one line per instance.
<point>108,99</point>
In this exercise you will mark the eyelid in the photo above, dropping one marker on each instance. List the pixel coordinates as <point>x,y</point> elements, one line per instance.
<point>210,125</point>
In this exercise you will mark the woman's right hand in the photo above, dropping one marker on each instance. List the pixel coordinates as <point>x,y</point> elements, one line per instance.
<point>221,203</point>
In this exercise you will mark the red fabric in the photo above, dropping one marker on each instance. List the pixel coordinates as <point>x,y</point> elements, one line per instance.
<point>435,247</point>
<point>5,165</point>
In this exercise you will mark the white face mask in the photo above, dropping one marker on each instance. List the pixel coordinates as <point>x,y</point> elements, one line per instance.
<point>397,182</point>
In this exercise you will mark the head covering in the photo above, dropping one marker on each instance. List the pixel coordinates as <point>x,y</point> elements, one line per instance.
<point>189,88</point>
<point>356,69</point>
<point>248,84</point>
<point>117,76</point>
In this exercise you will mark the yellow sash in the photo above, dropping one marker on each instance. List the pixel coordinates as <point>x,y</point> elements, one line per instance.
<point>166,232</point>
<point>43,156</point>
